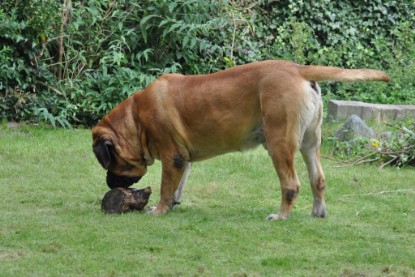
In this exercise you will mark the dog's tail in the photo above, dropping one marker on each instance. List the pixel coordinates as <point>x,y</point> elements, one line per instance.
<point>328,73</point>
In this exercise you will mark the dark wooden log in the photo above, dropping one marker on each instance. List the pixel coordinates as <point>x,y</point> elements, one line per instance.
<point>121,200</point>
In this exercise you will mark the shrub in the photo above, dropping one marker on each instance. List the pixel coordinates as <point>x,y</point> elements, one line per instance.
<point>71,62</point>
<point>396,149</point>
<point>116,48</point>
<point>25,74</point>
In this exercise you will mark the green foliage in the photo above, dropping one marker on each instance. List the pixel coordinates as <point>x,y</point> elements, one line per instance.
<point>399,150</point>
<point>396,148</point>
<point>24,27</point>
<point>75,60</point>
<point>376,34</point>
<point>116,48</point>
<point>347,150</point>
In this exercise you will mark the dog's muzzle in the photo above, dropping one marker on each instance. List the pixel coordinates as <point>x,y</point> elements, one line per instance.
<point>116,181</point>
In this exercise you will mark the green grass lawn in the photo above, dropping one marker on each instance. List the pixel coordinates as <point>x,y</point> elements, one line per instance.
<point>51,223</point>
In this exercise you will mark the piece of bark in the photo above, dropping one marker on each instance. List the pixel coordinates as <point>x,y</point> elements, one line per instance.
<point>121,200</point>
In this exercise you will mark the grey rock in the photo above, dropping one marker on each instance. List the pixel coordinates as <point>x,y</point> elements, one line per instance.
<point>353,128</point>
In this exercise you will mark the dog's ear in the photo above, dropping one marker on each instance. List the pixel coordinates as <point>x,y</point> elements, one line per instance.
<point>102,152</point>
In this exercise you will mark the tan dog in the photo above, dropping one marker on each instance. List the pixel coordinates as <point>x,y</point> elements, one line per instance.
<point>182,119</point>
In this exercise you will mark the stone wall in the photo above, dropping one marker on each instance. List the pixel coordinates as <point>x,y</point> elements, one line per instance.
<point>340,110</point>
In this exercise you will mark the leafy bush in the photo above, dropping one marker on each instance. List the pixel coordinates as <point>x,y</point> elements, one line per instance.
<point>397,148</point>
<point>377,34</point>
<point>354,148</point>
<point>24,75</point>
<point>116,48</point>
<point>71,62</point>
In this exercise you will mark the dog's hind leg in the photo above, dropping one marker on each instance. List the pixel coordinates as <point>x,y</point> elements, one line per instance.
<point>283,159</point>
<point>282,149</point>
<point>310,150</point>
<point>178,193</point>
<point>281,105</point>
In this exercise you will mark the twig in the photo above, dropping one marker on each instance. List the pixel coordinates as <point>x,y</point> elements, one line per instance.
<point>382,192</point>
<point>403,129</point>
<point>66,16</point>
<point>389,162</point>
<point>367,161</point>
<point>233,35</point>
<point>332,159</point>
<point>359,160</point>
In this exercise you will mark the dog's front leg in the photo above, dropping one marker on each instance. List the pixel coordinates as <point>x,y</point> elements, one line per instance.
<point>172,173</point>
<point>179,190</point>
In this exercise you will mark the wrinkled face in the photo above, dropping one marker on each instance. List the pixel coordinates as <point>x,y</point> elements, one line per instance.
<point>121,172</point>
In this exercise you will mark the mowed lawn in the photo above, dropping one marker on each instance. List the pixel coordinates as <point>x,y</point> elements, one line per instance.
<point>51,223</point>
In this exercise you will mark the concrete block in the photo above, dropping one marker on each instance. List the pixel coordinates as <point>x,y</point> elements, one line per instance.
<point>340,110</point>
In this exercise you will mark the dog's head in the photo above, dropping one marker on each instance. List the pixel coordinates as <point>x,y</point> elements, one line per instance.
<point>116,145</point>
<point>121,171</point>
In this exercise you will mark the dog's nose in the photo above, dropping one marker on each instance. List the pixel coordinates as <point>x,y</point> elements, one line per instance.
<point>116,181</point>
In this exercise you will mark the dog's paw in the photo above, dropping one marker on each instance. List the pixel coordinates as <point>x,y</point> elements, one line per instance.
<point>157,210</point>
<point>320,214</point>
<point>319,210</point>
<point>273,217</point>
